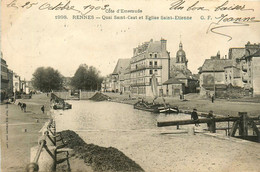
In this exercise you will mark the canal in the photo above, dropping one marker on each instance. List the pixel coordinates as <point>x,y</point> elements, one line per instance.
<point>135,133</point>
<point>108,116</point>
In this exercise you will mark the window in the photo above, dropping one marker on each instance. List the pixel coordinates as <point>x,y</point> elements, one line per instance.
<point>155,55</point>
<point>151,55</point>
<point>155,71</point>
<point>150,63</point>
<point>151,72</point>
<point>155,63</point>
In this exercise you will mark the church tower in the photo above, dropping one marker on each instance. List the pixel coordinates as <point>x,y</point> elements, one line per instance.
<point>181,61</point>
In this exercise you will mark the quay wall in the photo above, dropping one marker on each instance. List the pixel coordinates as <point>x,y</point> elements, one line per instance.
<point>63,95</point>
<point>85,95</point>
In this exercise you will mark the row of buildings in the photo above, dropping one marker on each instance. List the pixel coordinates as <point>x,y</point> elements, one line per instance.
<point>11,83</point>
<point>235,75</point>
<point>134,75</point>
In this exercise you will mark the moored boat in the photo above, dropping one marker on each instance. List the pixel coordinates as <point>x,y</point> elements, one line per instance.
<point>156,108</point>
<point>62,106</point>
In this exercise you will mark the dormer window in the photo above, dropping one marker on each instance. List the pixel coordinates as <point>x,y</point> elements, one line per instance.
<point>151,55</point>
<point>155,55</point>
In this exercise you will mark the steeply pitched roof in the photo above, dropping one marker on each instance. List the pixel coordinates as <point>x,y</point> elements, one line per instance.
<point>172,81</point>
<point>236,53</point>
<point>181,76</point>
<point>216,65</point>
<point>154,47</point>
<point>121,66</point>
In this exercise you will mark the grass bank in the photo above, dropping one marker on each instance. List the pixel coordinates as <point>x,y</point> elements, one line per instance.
<point>220,106</point>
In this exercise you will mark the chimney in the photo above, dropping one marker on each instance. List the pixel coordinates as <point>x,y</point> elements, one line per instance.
<point>218,55</point>
<point>163,44</point>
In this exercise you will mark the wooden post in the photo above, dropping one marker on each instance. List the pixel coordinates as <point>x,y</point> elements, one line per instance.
<point>243,124</point>
<point>234,128</point>
<point>256,130</point>
<point>228,133</point>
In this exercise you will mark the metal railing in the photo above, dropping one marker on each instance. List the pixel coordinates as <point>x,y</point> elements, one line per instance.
<point>33,166</point>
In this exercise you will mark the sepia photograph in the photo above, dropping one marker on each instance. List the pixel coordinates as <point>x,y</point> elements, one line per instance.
<point>130,86</point>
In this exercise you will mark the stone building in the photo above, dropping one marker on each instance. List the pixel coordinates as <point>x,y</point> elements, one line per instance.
<point>212,74</point>
<point>238,74</point>
<point>118,75</point>
<point>174,87</point>
<point>250,63</point>
<point>119,80</point>
<point>149,58</point>
<point>233,76</point>
<point>10,83</point>
<point>16,83</point>
<point>179,71</point>
<point>255,69</point>
<point>126,80</point>
<point>6,80</point>
<point>246,60</point>
<point>106,85</point>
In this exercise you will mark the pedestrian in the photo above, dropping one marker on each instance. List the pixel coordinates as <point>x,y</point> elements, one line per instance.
<point>212,98</point>
<point>42,109</point>
<point>194,116</point>
<point>210,116</point>
<point>24,107</point>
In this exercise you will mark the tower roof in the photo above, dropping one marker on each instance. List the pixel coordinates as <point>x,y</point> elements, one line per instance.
<point>180,52</point>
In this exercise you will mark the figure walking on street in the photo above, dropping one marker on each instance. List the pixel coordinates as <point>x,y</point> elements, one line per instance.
<point>24,107</point>
<point>212,98</point>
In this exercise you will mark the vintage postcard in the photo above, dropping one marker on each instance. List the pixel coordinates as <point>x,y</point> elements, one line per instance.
<point>130,85</point>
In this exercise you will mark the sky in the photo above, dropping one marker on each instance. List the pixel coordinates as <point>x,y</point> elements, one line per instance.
<point>32,38</point>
